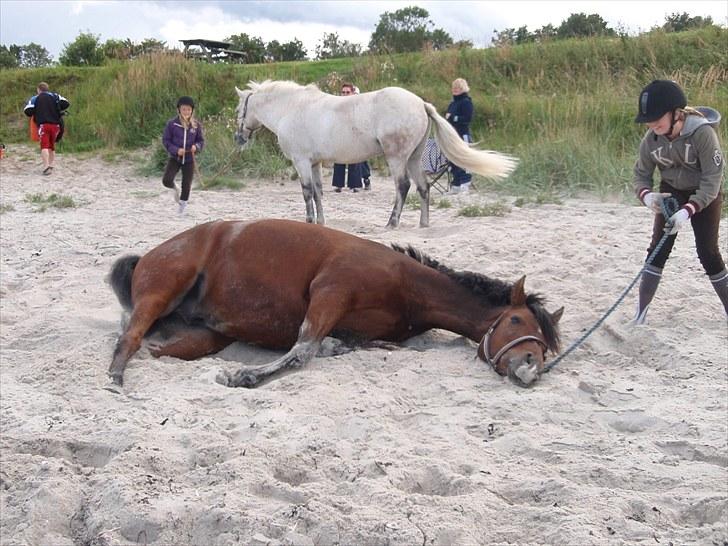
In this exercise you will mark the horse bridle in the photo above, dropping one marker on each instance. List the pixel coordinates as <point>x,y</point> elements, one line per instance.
<point>485,342</point>
<point>242,123</point>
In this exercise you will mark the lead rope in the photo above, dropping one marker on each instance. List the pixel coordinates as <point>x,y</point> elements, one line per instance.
<point>669,207</point>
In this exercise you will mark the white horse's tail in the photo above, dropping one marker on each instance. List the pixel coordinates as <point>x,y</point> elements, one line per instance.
<point>483,162</point>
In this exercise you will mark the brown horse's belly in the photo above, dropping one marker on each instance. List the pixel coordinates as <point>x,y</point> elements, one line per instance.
<point>264,322</point>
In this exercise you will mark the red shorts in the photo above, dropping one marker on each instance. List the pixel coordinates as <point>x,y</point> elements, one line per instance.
<point>48,133</point>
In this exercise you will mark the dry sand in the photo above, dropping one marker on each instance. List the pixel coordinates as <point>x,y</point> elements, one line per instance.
<point>625,442</point>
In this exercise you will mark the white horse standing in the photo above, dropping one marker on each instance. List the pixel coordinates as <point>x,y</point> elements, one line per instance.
<point>314,127</point>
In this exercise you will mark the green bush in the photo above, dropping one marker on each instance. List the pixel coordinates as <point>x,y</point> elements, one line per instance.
<point>564,107</point>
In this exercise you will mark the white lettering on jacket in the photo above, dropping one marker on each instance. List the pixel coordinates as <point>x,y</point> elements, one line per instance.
<point>664,161</point>
<point>687,155</point>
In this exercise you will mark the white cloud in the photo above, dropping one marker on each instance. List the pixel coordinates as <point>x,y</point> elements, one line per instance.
<point>212,24</point>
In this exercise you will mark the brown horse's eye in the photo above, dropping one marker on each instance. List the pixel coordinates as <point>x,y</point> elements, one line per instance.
<point>515,320</point>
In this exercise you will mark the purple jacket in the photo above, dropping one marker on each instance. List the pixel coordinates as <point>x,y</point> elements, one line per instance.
<point>174,138</point>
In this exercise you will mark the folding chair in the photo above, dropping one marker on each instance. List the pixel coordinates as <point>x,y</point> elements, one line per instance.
<point>436,165</point>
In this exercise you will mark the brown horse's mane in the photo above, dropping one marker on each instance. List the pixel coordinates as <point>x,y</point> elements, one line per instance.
<point>495,292</point>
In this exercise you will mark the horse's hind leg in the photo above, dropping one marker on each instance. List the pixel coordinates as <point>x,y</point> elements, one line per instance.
<point>417,175</point>
<point>190,343</point>
<point>145,313</point>
<point>401,187</point>
<point>304,172</point>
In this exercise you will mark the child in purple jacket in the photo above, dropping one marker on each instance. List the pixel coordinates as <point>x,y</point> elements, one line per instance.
<point>182,138</point>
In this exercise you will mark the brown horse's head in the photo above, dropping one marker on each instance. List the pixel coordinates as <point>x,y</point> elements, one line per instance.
<point>517,341</point>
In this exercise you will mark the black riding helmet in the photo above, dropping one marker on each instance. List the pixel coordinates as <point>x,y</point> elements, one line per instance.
<point>658,98</point>
<point>185,100</point>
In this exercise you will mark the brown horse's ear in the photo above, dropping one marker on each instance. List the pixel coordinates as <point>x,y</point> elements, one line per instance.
<point>518,295</point>
<point>556,316</point>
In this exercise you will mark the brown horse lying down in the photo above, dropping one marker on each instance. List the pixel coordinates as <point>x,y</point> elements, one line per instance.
<point>282,284</point>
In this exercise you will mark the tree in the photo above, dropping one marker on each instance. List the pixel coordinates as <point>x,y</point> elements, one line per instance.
<point>117,49</point>
<point>441,40</point>
<point>290,51</point>
<point>680,22</point>
<point>252,46</point>
<point>294,50</point>
<point>151,45</point>
<point>8,58</point>
<point>34,56</point>
<point>333,47</point>
<point>545,33</point>
<point>83,51</point>
<point>407,29</point>
<point>504,37</point>
<point>580,25</point>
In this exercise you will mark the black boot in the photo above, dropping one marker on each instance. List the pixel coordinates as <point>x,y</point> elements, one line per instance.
<point>720,284</point>
<point>648,286</point>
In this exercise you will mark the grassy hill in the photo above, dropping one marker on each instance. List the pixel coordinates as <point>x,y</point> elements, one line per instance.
<point>565,107</point>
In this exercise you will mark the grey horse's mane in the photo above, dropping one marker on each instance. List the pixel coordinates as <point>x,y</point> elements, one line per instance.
<point>279,85</point>
<point>494,291</point>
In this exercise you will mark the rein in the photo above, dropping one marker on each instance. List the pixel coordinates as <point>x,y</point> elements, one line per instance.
<point>669,207</point>
<point>485,342</point>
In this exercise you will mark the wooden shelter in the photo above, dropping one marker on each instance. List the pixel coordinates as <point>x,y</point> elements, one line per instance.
<point>212,51</point>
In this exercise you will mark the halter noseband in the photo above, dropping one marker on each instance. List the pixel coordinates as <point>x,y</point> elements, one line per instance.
<point>485,342</point>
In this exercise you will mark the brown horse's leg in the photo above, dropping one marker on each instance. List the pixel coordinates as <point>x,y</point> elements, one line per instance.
<point>144,314</point>
<point>190,343</point>
<point>325,310</point>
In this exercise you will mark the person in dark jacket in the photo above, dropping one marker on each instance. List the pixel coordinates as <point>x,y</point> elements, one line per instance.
<point>46,109</point>
<point>354,178</point>
<point>682,144</point>
<point>182,139</point>
<point>459,114</point>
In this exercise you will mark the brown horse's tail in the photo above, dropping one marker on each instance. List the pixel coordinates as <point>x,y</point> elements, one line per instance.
<point>120,279</point>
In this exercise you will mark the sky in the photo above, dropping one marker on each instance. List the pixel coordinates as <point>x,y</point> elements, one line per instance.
<point>55,23</point>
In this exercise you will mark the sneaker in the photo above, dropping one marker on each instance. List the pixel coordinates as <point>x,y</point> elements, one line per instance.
<point>181,208</point>
<point>47,170</point>
<point>454,190</point>
<point>367,184</point>
<point>337,190</point>
<point>355,190</point>
<point>465,188</point>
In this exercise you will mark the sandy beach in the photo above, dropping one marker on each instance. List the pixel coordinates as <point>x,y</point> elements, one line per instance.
<point>624,442</point>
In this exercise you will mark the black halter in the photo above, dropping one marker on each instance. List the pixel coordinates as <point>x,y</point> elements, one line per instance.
<point>485,342</point>
<point>241,129</point>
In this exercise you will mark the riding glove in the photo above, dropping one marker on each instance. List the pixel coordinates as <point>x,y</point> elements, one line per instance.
<point>676,221</point>
<point>653,201</point>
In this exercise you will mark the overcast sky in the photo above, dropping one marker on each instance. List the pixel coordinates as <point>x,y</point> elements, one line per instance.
<point>53,24</point>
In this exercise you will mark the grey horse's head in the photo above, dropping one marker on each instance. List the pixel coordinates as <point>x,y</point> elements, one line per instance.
<point>247,122</point>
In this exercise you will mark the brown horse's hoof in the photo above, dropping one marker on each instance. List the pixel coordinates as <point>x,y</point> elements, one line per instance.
<point>242,379</point>
<point>237,379</point>
<point>114,386</point>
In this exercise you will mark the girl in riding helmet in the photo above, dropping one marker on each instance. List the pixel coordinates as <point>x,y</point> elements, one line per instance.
<point>682,144</point>
<point>182,139</point>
